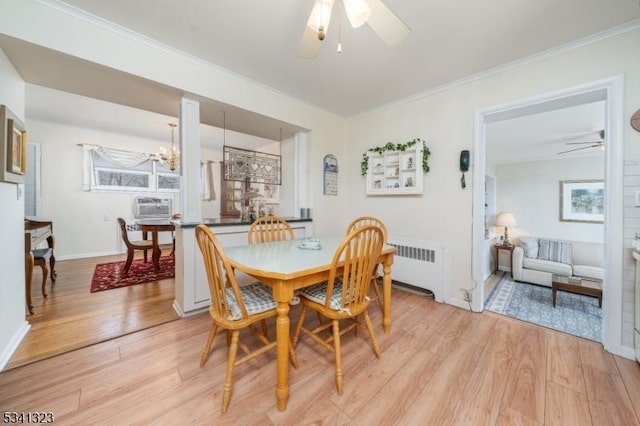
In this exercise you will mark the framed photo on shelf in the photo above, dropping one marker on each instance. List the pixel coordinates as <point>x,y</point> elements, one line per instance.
<point>13,154</point>
<point>582,201</point>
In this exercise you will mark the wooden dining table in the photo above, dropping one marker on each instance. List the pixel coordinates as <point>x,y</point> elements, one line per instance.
<point>155,226</point>
<point>285,267</point>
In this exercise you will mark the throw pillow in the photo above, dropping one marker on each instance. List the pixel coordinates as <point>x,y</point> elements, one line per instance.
<point>556,251</point>
<point>530,246</point>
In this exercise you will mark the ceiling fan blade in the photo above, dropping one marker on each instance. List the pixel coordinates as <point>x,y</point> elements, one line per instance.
<point>319,20</point>
<point>310,44</point>
<point>578,149</point>
<point>386,24</point>
<point>582,143</point>
<point>358,12</point>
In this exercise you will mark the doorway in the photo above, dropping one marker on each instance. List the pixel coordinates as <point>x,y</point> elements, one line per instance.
<point>610,91</point>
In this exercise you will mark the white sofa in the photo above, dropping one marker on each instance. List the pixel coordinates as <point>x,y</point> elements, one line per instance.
<point>535,260</point>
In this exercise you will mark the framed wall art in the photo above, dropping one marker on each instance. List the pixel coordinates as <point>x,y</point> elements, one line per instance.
<point>330,176</point>
<point>582,201</point>
<point>251,166</point>
<point>13,153</point>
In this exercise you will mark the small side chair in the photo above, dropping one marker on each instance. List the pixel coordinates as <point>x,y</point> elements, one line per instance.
<point>143,245</point>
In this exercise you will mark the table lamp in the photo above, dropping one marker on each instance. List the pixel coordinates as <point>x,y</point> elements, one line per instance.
<point>507,220</point>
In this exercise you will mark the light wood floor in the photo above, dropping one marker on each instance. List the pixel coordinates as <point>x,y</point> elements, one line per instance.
<point>439,365</point>
<point>71,317</point>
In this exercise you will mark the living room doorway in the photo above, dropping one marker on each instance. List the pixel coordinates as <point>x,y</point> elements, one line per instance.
<point>551,149</point>
<point>609,92</point>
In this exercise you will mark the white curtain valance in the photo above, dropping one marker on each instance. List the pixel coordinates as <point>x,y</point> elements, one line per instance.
<point>123,158</point>
<point>117,156</point>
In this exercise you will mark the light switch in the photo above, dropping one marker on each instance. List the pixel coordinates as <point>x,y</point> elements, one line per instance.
<point>636,199</point>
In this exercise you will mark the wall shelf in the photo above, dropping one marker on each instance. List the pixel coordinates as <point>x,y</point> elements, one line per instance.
<point>395,172</point>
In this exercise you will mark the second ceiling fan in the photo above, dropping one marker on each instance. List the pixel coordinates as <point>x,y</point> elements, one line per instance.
<point>589,144</point>
<point>374,13</point>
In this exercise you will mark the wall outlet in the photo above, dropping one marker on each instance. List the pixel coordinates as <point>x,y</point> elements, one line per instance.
<point>466,295</point>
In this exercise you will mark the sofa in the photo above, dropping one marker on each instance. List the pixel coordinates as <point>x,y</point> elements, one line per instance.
<point>535,260</point>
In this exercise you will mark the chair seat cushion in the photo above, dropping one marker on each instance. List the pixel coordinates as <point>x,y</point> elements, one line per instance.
<point>318,294</point>
<point>43,253</point>
<point>142,244</point>
<point>257,298</point>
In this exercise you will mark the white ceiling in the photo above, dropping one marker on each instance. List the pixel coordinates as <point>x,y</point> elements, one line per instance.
<point>541,136</point>
<point>259,39</point>
<point>450,39</point>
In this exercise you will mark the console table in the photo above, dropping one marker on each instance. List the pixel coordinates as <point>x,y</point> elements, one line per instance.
<point>35,232</point>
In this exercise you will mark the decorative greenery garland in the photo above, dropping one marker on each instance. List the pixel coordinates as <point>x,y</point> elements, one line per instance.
<point>401,147</point>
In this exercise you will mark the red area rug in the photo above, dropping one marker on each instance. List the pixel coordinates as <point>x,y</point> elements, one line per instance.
<point>111,275</point>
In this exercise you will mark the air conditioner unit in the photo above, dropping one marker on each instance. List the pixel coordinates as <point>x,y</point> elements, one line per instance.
<point>152,208</point>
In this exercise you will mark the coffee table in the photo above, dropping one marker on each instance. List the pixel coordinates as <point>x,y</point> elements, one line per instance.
<point>586,286</point>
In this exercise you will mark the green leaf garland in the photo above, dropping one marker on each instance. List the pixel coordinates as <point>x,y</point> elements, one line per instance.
<point>401,147</point>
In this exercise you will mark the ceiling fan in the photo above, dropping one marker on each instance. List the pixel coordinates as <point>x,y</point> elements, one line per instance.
<point>589,144</point>
<point>375,13</point>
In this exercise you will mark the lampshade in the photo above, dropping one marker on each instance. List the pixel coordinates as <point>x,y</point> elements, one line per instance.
<point>506,219</point>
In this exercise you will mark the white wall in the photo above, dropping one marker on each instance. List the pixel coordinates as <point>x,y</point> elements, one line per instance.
<point>530,190</point>
<point>445,119</point>
<point>12,284</point>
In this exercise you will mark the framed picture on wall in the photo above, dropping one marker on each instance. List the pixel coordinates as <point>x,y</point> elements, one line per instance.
<point>582,201</point>
<point>13,152</point>
<point>17,147</point>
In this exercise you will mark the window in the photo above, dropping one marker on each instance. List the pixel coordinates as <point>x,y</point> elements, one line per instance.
<point>167,180</point>
<point>109,169</point>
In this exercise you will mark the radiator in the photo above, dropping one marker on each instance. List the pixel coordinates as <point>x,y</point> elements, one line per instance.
<point>420,264</point>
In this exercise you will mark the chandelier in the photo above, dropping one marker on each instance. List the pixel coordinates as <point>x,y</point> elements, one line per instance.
<point>169,159</point>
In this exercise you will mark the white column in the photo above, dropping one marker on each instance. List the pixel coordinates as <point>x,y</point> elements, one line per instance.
<point>301,172</point>
<point>191,207</point>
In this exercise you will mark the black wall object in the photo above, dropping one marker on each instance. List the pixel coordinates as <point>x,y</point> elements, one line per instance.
<point>464,166</point>
<point>464,161</point>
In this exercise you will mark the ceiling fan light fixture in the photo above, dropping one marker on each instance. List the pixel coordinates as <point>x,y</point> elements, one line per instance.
<point>358,12</point>
<point>320,16</point>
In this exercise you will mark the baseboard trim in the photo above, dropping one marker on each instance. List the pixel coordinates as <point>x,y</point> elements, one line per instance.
<point>15,341</point>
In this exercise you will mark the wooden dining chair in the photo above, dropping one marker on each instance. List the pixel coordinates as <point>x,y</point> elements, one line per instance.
<point>41,257</point>
<point>344,295</point>
<point>233,308</point>
<point>132,246</point>
<point>370,220</point>
<point>270,228</point>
